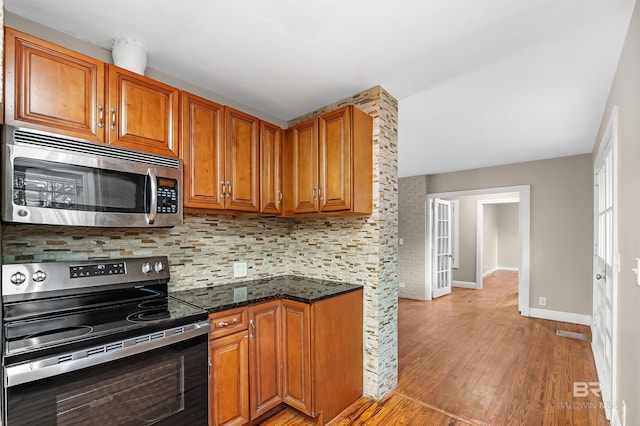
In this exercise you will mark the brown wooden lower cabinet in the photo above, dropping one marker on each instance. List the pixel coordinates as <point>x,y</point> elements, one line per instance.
<point>323,359</point>
<point>308,356</point>
<point>265,378</point>
<point>229,380</point>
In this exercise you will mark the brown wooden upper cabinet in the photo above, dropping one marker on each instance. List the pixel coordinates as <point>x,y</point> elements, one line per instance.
<point>203,153</point>
<point>270,168</point>
<point>48,87</point>
<point>220,150</point>
<point>143,113</point>
<point>51,88</point>
<point>329,162</point>
<point>242,171</point>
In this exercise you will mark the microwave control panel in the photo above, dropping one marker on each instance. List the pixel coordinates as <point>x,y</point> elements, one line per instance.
<point>167,195</point>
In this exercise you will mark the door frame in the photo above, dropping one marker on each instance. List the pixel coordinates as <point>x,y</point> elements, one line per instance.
<point>608,142</point>
<point>480,233</point>
<point>525,237</point>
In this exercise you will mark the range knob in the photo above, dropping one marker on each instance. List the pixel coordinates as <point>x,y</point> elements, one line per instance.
<point>158,267</point>
<point>18,278</point>
<point>39,276</point>
<point>146,268</point>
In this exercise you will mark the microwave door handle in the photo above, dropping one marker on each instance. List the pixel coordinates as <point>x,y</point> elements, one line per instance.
<point>153,208</point>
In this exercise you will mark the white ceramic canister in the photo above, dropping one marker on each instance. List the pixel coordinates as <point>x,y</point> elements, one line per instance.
<point>129,54</point>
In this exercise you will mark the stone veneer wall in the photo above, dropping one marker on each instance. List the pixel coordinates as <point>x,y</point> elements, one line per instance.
<point>201,252</point>
<point>412,228</point>
<point>363,249</point>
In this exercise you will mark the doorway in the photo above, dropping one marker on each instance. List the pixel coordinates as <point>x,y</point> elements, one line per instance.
<point>524,215</point>
<point>487,262</point>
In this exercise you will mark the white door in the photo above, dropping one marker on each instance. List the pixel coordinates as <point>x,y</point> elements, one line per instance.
<point>604,303</point>
<point>441,247</point>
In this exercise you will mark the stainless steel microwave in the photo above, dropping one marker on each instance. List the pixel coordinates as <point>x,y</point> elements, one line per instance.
<point>58,180</point>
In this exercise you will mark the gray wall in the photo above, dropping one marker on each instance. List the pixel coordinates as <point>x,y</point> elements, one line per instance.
<point>508,235</point>
<point>625,93</point>
<point>412,228</point>
<point>490,238</point>
<point>561,223</point>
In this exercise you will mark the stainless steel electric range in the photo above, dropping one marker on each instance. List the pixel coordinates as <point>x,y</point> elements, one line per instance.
<point>101,342</point>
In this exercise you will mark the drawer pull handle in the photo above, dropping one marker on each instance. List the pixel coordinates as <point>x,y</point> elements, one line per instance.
<point>227,324</point>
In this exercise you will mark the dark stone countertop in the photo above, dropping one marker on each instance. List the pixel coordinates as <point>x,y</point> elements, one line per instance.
<point>227,296</point>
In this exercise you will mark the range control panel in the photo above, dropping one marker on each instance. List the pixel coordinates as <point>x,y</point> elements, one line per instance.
<point>97,270</point>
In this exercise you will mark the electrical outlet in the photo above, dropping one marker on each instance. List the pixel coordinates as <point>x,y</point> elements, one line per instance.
<point>239,269</point>
<point>401,241</point>
<point>401,285</point>
<point>239,294</point>
<point>542,301</point>
<point>624,413</point>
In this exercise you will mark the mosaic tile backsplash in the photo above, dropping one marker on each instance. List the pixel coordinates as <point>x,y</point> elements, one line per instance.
<point>201,252</point>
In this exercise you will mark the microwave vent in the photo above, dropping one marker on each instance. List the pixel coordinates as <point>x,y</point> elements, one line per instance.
<point>49,140</point>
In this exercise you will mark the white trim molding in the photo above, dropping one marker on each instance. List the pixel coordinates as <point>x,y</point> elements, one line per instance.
<point>501,268</point>
<point>508,268</point>
<point>463,284</point>
<point>560,316</point>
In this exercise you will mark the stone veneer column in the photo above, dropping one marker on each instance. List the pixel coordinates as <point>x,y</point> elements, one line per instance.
<point>363,249</point>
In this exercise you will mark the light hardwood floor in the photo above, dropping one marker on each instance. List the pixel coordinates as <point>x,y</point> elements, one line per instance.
<point>469,358</point>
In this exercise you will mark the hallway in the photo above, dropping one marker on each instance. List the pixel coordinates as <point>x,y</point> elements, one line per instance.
<point>470,359</point>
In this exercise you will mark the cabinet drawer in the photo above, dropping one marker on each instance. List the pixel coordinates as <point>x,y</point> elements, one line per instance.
<point>228,322</point>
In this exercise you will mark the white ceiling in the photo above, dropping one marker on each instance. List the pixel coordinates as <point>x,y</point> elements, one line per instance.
<point>479,83</point>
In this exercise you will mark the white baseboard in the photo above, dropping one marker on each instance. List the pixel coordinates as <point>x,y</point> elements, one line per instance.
<point>499,268</point>
<point>508,268</point>
<point>560,316</point>
<point>489,272</point>
<point>463,284</point>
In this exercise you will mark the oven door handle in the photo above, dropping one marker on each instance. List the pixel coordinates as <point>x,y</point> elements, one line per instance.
<point>153,207</point>
<point>72,361</point>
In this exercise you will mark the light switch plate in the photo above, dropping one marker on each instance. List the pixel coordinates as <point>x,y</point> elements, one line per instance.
<point>239,269</point>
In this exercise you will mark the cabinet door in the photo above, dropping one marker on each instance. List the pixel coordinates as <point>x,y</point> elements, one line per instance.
<point>335,160</point>
<point>202,152</point>
<point>264,358</point>
<point>143,113</point>
<point>270,168</point>
<point>242,169</point>
<point>302,142</point>
<point>229,380</point>
<point>296,349</point>
<point>52,88</point>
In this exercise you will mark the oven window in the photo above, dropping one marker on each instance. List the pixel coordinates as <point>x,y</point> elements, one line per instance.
<point>141,397</point>
<point>162,387</point>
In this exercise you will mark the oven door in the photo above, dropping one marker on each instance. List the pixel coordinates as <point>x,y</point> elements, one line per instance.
<point>162,386</point>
